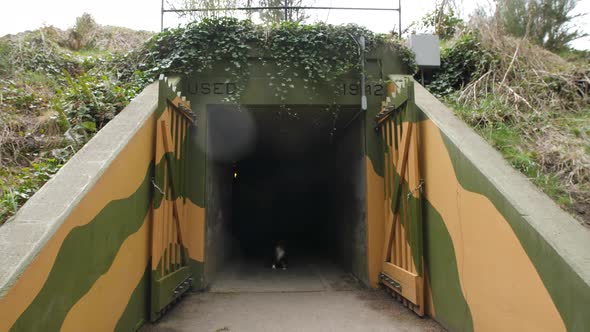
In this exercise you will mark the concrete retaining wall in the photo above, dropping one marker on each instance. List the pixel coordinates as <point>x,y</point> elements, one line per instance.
<point>76,256</point>
<point>500,255</point>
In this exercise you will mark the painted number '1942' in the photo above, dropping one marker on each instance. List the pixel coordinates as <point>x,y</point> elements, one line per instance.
<point>354,89</point>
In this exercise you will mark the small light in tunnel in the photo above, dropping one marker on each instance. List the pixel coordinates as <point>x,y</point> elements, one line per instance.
<point>235,175</point>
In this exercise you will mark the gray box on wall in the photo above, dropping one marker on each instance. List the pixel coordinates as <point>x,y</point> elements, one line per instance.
<point>427,49</point>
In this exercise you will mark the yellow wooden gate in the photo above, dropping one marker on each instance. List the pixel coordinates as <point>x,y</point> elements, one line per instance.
<point>402,251</point>
<point>171,275</point>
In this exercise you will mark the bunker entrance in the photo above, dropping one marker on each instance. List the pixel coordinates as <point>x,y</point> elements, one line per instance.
<point>294,174</point>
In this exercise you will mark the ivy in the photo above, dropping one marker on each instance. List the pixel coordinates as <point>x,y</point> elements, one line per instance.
<point>462,61</point>
<point>407,56</point>
<point>318,53</point>
<point>321,52</point>
<point>199,46</point>
<point>93,98</point>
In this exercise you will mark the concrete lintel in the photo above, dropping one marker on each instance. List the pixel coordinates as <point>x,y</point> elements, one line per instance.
<point>22,238</point>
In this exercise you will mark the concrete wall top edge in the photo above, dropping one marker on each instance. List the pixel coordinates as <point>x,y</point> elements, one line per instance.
<point>22,238</point>
<point>557,227</point>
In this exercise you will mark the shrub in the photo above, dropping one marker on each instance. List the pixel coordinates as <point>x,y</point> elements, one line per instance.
<point>94,98</point>
<point>25,183</point>
<point>461,61</point>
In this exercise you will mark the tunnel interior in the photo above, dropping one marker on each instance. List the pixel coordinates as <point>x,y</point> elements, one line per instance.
<point>292,174</point>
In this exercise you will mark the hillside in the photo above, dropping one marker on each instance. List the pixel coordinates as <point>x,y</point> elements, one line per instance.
<point>57,88</point>
<point>529,103</point>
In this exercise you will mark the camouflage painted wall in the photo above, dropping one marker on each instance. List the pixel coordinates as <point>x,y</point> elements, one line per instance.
<point>500,256</point>
<point>88,265</point>
<point>70,285</point>
<point>81,256</point>
<point>484,248</point>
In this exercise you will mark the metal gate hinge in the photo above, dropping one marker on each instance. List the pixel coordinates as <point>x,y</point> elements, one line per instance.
<point>156,186</point>
<point>391,282</point>
<point>419,188</point>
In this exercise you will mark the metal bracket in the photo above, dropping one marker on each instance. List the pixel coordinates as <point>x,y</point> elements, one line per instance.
<point>383,115</point>
<point>395,100</point>
<point>419,188</point>
<point>187,113</point>
<point>156,186</point>
<point>385,279</point>
<point>183,286</point>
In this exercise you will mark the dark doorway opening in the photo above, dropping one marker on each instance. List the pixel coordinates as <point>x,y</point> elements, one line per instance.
<point>292,173</point>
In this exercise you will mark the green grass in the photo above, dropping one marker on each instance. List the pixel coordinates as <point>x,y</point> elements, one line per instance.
<point>38,80</point>
<point>4,58</point>
<point>493,121</point>
<point>93,53</point>
<point>18,185</point>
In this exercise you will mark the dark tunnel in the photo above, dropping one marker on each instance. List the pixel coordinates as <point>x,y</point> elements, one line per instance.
<point>294,174</point>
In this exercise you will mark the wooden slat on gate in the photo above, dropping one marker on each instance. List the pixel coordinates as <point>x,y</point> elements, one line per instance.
<point>402,251</point>
<point>171,276</point>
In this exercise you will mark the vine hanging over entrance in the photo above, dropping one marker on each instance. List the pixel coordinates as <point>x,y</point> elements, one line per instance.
<point>318,53</point>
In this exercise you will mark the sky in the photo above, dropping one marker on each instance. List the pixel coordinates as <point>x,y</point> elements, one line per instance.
<point>21,15</point>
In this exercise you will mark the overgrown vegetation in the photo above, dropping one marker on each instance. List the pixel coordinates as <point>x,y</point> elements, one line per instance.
<point>57,88</point>
<point>26,181</point>
<point>322,52</point>
<point>545,23</point>
<point>531,104</point>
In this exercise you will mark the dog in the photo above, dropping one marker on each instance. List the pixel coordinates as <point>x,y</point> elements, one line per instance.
<point>280,256</point>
